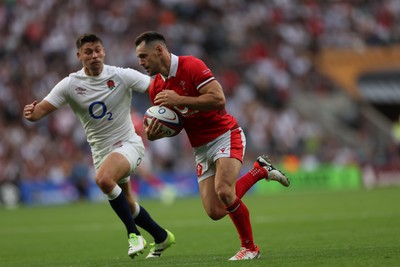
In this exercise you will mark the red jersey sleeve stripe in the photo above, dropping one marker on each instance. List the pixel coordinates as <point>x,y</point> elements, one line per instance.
<point>205,82</point>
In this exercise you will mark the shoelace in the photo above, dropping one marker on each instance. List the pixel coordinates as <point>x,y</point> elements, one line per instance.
<point>133,241</point>
<point>241,253</point>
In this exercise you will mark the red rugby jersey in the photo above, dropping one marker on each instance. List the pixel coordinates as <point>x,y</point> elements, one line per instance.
<point>187,75</point>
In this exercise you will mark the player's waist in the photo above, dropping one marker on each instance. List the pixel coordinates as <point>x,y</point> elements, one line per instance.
<point>102,146</point>
<point>199,137</point>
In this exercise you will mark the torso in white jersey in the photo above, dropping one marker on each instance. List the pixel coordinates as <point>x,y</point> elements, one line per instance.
<point>101,103</point>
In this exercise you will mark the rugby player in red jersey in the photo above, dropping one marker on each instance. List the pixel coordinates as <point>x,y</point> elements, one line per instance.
<point>187,85</point>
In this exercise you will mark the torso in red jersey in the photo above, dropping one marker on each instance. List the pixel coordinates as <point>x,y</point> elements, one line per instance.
<point>187,76</point>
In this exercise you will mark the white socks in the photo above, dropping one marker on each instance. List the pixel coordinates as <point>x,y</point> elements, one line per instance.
<point>114,193</point>
<point>137,210</point>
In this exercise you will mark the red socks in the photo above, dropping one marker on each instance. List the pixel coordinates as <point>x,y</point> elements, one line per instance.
<point>240,216</point>
<point>245,182</point>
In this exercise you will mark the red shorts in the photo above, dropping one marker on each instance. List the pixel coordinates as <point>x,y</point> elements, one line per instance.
<point>231,144</point>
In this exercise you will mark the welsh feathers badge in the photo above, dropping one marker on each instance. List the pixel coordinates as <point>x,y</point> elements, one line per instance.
<point>110,84</point>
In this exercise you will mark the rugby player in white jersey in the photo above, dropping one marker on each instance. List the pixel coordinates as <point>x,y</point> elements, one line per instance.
<point>100,96</point>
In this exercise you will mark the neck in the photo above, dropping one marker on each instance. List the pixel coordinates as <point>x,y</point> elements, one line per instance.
<point>165,65</point>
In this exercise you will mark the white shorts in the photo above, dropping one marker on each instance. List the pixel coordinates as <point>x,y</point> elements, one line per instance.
<point>132,150</point>
<point>231,144</point>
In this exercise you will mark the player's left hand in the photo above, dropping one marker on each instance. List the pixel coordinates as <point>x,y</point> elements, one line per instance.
<point>167,98</point>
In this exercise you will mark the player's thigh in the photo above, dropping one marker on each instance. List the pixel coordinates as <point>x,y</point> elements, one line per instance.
<point>114,167</point>
<point>144,169</point>
<point>122,161</point>
<point>227,172</point>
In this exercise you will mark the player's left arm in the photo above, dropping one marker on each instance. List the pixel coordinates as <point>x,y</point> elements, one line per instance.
<point>136,80</point>
<point>211,98</point>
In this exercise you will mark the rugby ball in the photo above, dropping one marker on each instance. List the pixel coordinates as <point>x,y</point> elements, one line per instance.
<point>170,120</point>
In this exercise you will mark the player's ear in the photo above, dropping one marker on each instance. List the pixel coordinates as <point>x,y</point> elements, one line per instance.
<point>159,48</point>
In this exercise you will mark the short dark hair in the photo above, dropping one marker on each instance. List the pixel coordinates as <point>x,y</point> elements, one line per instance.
<point>150,36</point>
<point>87,38</point>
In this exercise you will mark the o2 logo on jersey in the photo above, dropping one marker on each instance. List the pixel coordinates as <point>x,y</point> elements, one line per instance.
<point>98,110</point>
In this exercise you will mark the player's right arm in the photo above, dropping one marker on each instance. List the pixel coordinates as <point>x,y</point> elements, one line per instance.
<point>35,111</point>
<point>55,99</point>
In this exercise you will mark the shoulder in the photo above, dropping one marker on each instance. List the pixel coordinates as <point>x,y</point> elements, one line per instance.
<point>66,81</point>
<point>192,63</point>
<point>116,69</point>
<point>190,60</point>
<point>110,70</point>
<point>131,78</point>
<point>128,73</point>
<point>77,74</point>
<point>195,68</point>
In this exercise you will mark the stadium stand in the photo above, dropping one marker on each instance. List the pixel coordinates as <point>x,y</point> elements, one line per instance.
<point>281,64</point>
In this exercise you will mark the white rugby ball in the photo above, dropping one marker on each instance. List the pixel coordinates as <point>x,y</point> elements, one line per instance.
<point>170,120</point>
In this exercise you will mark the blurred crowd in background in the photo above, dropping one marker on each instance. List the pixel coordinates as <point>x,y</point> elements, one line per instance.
<point>261,52</point>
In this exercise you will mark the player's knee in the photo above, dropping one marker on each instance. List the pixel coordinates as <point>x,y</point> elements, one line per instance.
<point>216,215</point>
<point>105,184</point>
<point>224,193</point>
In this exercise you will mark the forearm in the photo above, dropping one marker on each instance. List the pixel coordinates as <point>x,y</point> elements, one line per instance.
<point>211,98</point>
<point>203,102</point>
<point>34,112</point>
<point>36,115</point>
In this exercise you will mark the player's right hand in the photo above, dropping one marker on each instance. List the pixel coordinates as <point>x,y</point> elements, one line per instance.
<point>28,110</point>
<point>153,130</point>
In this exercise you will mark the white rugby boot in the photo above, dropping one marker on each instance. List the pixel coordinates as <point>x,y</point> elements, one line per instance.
<point>273,173</point>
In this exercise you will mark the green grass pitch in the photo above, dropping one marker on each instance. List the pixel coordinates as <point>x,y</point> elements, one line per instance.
<point>351,228</point>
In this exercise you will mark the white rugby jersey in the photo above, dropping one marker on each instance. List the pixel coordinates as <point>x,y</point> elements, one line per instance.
<point>101,103</point>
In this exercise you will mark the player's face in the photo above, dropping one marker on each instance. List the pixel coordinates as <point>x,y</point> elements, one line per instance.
<point>149,58</point>
<point>92,57</point>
